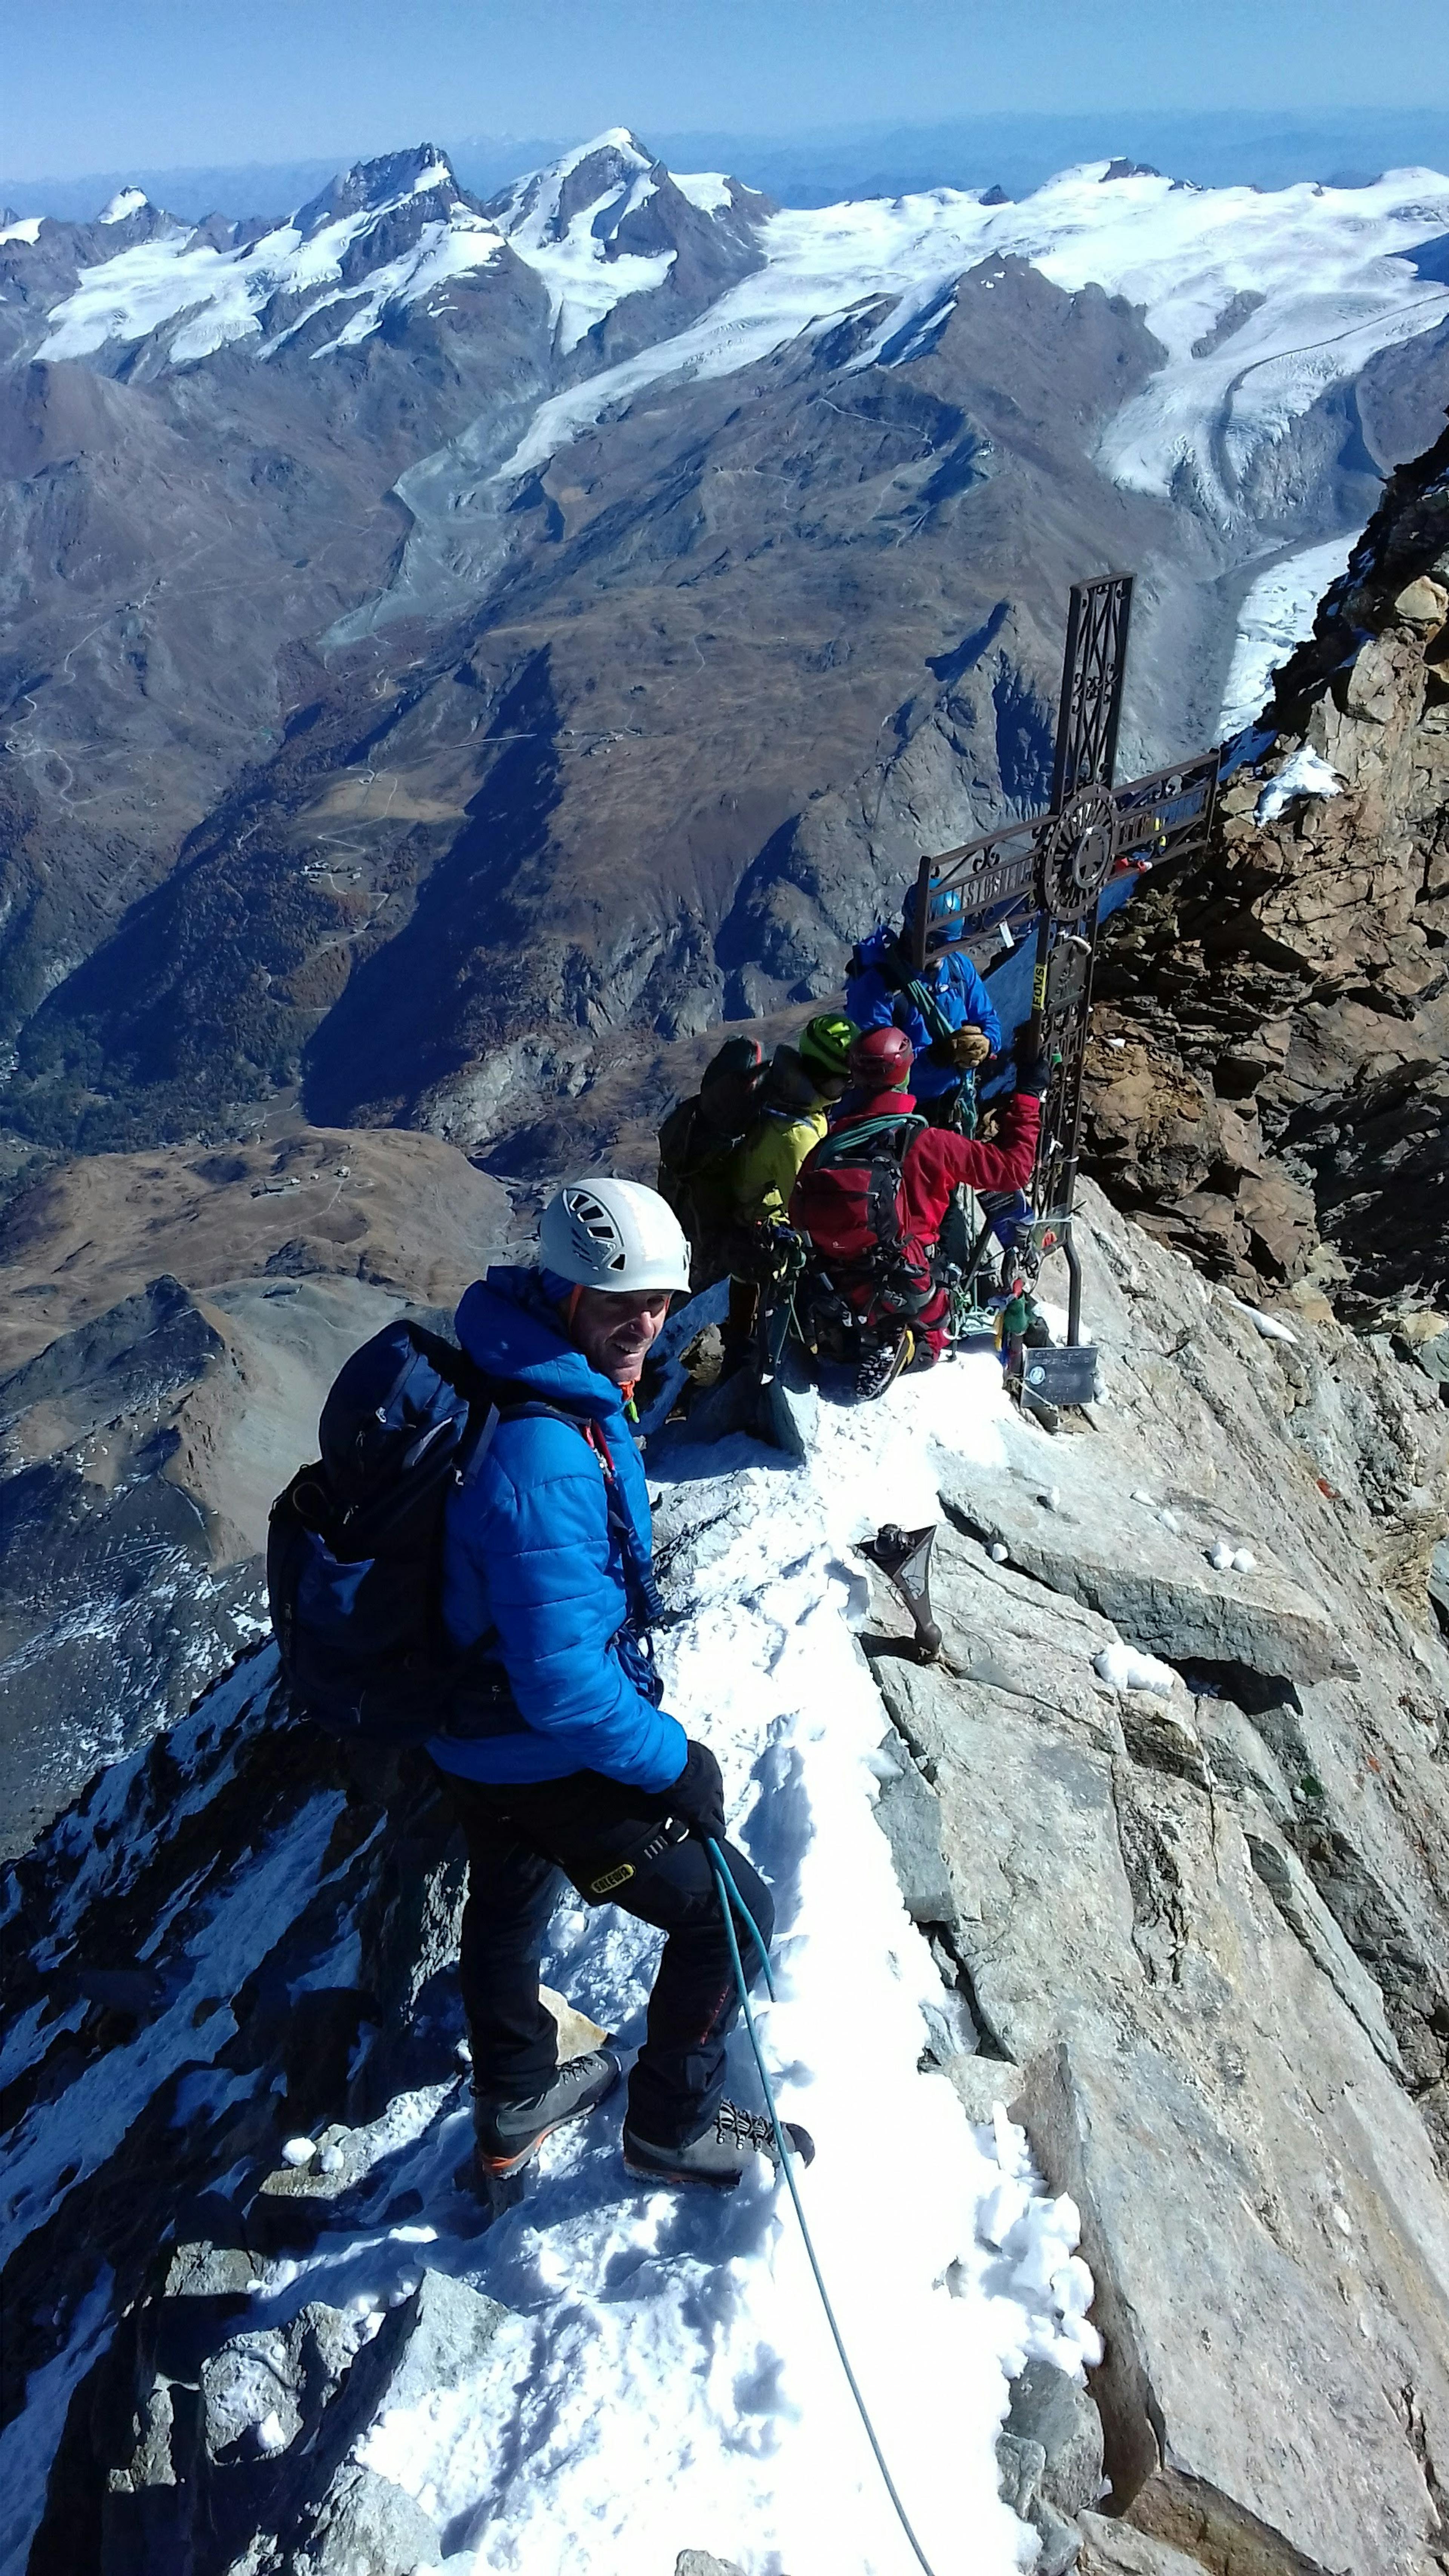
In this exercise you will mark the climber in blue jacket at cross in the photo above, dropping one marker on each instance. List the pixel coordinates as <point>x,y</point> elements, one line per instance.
<point>875,999</point>
<point>563,1760</point>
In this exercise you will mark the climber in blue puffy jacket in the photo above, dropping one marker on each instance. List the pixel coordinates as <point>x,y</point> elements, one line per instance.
<point>533,1555</point>
<point>951,1037</point>
<point>574,1770</point>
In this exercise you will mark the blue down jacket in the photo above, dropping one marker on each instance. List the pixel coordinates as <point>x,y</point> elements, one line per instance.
<point>528,1550</point>
<point>954,986</point>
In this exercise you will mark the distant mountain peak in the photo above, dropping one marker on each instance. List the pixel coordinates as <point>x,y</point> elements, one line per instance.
<point>605,175</point>
<point>423,170</point>
<point>125,203</point>
<point>608,219</point>
<point>383,235</point>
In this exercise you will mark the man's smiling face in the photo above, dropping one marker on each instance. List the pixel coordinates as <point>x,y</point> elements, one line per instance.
<point>615,1328</point>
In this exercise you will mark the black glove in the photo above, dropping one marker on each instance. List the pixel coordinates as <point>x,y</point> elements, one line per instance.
<point>697,1796</point>
<point>1033,1074</point>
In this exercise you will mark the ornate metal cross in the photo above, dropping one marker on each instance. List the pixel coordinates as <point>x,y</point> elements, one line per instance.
<point>1055,866</point>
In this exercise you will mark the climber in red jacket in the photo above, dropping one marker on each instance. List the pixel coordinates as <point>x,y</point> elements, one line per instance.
<point>872,1198</point>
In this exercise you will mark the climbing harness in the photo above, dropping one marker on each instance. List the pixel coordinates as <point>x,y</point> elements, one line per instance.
<point>730,1902</point>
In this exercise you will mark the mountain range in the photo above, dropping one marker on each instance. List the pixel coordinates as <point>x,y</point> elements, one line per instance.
<point>1241,146</point>
<point>460,650</point>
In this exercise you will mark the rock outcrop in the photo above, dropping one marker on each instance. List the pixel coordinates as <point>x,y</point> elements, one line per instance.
<point>1268,1082</point>
<point>1207,1925</point>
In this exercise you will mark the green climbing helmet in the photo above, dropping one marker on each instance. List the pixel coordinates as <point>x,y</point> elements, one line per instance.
<point>825,1042</point>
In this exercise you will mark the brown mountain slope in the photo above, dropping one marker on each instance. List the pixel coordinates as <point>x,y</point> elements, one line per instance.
<point>751,644</point>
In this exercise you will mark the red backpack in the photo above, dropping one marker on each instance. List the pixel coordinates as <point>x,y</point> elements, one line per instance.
<point>847,1200</point>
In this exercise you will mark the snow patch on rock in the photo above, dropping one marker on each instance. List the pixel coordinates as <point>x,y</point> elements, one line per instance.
<point>1124,1668</point>
<point>1305,773</point>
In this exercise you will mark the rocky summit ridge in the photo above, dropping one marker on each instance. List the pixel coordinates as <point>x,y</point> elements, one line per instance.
<point>484,846</point>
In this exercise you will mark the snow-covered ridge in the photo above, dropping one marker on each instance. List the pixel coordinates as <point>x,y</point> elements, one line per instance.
<point>249,291</point>
<point>570,222</point>
<point>689,2326</point>
<point>1261,302</point>
<point>565,221</point>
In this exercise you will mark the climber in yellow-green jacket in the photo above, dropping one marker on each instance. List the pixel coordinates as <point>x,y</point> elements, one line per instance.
<point>799,1087</point>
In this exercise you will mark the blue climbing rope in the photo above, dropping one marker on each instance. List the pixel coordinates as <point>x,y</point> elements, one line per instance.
<point>730,1901</point>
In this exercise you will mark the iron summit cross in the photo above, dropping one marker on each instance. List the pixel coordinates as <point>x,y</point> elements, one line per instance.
<point>1055,866</point>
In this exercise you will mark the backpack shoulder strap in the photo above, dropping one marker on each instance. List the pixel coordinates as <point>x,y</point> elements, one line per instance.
<point>841,1143</point>
<point>508,1401</point>
<point>894,972</point>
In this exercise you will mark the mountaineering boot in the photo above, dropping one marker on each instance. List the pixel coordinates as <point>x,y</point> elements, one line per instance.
<point>510,2133</point>
<point>721,2155</point>
<point>883,1366</point>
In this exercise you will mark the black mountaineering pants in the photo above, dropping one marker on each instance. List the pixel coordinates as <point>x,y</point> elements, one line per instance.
<point>522,1842</point>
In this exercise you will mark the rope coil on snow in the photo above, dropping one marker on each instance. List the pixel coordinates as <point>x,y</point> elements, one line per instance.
<point>729,1896</point>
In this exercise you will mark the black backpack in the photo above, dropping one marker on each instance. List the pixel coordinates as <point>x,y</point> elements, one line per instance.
<point>355,1550</point>
<point>700,1132</point>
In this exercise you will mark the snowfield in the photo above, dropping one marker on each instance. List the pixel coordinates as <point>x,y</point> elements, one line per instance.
<point>1261,301</point>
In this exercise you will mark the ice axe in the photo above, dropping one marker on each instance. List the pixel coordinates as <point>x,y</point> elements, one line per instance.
<point>904,1558</point>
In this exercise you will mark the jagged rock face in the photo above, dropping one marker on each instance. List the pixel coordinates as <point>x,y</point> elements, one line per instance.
<point>1269,1079</point>
<point>1210,1929</point>
<point>239,1859</point>
<point>1201,1937</point>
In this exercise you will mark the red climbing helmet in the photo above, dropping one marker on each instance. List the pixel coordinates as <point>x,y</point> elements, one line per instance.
<point>881,1060</point>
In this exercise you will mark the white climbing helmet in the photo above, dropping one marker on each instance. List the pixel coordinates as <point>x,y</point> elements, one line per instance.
<point>615,1235</point>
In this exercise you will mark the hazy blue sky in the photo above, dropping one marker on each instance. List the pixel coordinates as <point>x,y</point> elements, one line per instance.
<point>97,84</point>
